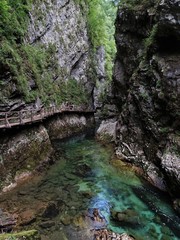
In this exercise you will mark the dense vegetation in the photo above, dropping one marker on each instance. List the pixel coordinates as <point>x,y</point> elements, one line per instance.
<point>100,22</point>
<point>32,68</point>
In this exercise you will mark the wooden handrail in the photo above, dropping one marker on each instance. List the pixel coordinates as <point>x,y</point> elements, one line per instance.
<point>15,118</point>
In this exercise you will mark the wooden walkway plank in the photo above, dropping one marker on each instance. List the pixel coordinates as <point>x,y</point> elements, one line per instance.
<point>15,118</point>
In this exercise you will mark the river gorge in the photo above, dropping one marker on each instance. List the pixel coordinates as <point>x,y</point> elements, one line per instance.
<point>90,120</point>
<point>87,175</point>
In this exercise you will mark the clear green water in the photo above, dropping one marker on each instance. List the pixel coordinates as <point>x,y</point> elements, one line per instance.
<point>83,178</point>
<point>112,188</point>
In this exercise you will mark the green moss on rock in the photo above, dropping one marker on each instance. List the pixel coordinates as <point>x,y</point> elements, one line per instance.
<point>25,235</point>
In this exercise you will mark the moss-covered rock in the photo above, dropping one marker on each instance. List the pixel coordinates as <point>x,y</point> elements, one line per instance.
<point>25,235</point>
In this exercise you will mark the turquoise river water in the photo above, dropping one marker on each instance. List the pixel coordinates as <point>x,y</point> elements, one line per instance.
<point>86,176</point>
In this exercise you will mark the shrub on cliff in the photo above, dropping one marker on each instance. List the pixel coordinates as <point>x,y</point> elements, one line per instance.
<point>101,18</point>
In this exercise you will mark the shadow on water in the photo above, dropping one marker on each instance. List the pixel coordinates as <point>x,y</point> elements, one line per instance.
<point>83,179</point>
<point>150,199</point>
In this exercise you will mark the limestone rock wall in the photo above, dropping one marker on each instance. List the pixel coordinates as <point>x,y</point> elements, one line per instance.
<point>60,29</point>
<point>66,125</point>
<point>64,24</point>
<point>146,86</point>
<point>27,151</point>
<point>23,152</point>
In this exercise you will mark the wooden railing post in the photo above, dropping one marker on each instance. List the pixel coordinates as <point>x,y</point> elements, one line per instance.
<point>6,120</point>
<point>32,116</point>
<point>20,117</point>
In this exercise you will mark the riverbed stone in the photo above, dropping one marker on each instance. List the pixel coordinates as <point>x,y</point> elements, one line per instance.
<point>27,217</point>
<point>128,216</point>
<point>125,236</point>
<point>82,170</point>
<point>51,210</point>
<point>79,221</point>
<point>7,221</point>
<point>66,219</point>
<point>47,224</point>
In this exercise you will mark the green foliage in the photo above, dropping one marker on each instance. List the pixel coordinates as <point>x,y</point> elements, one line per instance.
<point>27,235</point>
<point>33,68</point>
<point>13,19</point>
<point>101,18</point>
<point>13,25</point>
<point>150,41</point>
<point>96,18</point>
<point>73,92</point>
<point>164,129</point>
<point>28,63</point>
<point>12,238</point>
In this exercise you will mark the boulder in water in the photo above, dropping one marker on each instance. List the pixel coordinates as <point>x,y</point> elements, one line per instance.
<point>106,234</point>
<point>27,217</point>
<point>51,210</point>
<point>127,216</point>
<point>176,205</point>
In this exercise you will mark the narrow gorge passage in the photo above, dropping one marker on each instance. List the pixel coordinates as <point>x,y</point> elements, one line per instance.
<point>86,176</point>
<point>67,66</point>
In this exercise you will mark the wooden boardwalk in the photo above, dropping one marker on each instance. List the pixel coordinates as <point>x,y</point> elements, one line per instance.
<point>17,118</point>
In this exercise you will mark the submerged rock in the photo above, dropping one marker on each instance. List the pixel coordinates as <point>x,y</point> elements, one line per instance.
<point>176,205</point>
<point>7,221</point>
<point>27,217</point>
<point>105,234</point>
<point>99,228</point>
<point>51,210</point>
<point>47,224</point>
<point>126,217</point>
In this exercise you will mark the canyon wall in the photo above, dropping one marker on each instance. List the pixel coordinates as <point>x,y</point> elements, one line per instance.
<point>51,61</point>
<point>146,88</point>
<point>30,149</point>
<point>47,61</point>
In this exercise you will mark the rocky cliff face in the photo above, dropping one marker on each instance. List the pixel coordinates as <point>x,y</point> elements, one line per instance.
<point>28,151</point>
<point>55,49</point>
<point>146,87</point>
<point>63,24</point>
